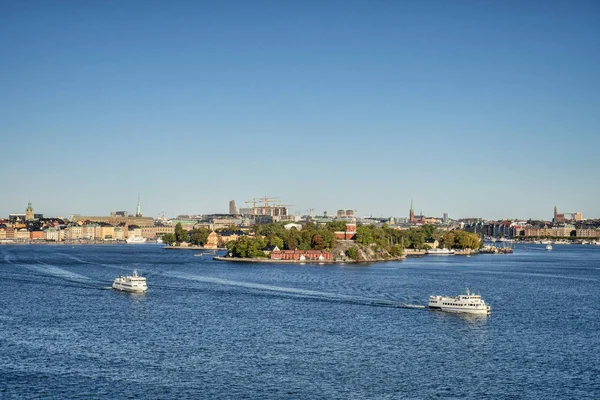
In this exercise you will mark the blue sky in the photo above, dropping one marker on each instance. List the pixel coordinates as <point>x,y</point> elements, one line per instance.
<point>473,108</point>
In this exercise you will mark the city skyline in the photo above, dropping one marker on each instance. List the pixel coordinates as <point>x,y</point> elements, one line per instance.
<point>331,212</point>
<point>472,109</point>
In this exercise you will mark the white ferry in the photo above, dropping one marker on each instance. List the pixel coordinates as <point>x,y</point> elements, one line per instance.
<point>439,252</point>
<point>136,239</point>
<point>470,303</point>
<point>548,247</point>
<point>133,283</point>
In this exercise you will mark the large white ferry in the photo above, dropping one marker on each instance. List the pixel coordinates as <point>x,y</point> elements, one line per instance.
<point>465,303</point>
<point>439,252</point>
<point>133,283</point>
<point>135,239</point>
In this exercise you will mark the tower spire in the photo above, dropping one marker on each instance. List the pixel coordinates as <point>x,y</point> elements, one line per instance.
<point>138,213</point>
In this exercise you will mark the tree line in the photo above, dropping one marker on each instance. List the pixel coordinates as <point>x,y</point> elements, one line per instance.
<point>322,237</point>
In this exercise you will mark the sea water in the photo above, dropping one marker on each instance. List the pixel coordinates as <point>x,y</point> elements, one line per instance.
<point>210,329</point>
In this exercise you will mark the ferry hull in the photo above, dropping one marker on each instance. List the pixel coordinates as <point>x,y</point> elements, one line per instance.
<point>460,311</point>
<point>129,289</point>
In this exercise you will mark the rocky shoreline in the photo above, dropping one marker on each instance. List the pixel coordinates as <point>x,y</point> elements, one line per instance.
<point>269,261</point>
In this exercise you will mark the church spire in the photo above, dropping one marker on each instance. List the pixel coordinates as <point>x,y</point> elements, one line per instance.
<point>138,213</point>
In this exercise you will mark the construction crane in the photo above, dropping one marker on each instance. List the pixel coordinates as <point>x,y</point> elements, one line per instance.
<point>266,206</point>
<point>253,202</point>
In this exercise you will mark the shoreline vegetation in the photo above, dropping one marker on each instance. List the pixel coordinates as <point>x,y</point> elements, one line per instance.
<point>289,244</point>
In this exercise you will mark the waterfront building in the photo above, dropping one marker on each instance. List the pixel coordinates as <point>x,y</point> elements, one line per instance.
<point>228,236</point>
<point>21,234</point>
<point>119,233</point>
<point>162,229</point>
<point>91,231</point>
<point>107,232</point>
<point>116,220</point>
<point>36,235</point>
<point>562,230</point>
<point>149,232</point>
<point>433,243</point>
<point>300,255</point>
<point>51,235</point>
<point>587,232</point>
<point>74,232</point>
<point>213,241</point>
<point>133,230</point>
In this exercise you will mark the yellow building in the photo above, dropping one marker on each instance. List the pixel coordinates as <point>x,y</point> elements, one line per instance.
<point>107,233</point>
<point>21,234</point>
<point>213,241</point>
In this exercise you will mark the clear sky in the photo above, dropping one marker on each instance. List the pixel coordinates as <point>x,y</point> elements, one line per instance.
<point>475,108</point>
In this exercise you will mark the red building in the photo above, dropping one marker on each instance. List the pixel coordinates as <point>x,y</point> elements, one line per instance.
<point>36,235</point>
<point>349,233</point>
<point>301,255</point>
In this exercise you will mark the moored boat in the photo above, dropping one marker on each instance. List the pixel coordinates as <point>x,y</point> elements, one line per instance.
<point>131,283</point>
<point>439,252</point>
<point>136,239</point>
<point>469,303</point>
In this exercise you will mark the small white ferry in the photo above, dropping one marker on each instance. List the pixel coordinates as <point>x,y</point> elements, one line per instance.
<point>470,303</point>
<point>439,252</point>
<point>548,247</point>
<point>133,283</point>
<point>135,239</point>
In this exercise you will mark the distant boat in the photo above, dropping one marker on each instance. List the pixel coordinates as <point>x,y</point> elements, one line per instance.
<point>135,239</point>
<point>131,283</point>
<point>439,252</point>
<point>548,247</point>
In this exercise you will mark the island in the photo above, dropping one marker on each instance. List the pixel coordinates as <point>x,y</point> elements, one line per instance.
<point>341,242</point>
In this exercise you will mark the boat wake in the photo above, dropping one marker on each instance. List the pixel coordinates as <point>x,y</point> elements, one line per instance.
<point>59,272</point>
<point>296,292</point>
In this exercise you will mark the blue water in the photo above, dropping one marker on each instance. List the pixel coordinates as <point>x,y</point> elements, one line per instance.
<point>209,329</point>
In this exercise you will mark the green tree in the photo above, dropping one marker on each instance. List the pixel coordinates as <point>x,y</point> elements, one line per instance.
<point>181,235</point>
<point>364,235</point>
<point>429,230</point>
<point>274,240</point>
<point>448,240</point>
<point>199,236</point>
<point>317,242</point>
<point>352,253</point>
<point>397,250</point>
<point>169,239</point>
<point>336,226</point>
<point>417,237</point>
